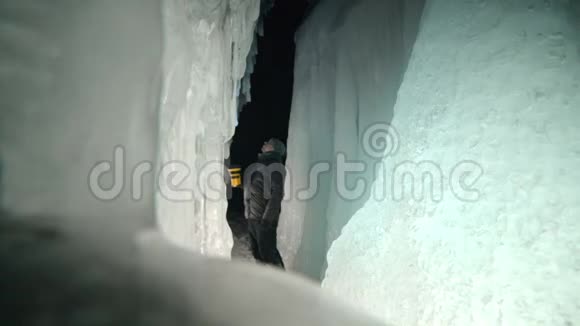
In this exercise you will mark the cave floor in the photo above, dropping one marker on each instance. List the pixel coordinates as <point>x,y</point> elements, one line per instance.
<point>241,249</point>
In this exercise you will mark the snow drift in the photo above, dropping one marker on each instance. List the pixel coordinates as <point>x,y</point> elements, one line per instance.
<point>58,271</point>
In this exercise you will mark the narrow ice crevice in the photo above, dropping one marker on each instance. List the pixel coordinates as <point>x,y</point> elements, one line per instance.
<point>207,44</point>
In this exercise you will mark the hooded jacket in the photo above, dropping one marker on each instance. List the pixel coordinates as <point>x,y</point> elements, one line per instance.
<point>264,188</point>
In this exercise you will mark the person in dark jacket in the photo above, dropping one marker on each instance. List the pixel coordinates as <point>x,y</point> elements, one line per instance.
<point>263,194</point>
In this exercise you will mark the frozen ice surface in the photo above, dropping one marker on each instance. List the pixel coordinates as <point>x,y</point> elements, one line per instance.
<point>350,60</point>
<point>207,45</point>
<point>73,87</point>
<point>496,83</point>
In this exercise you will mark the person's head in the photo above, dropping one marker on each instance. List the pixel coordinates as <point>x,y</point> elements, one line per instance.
<point>274,145</point>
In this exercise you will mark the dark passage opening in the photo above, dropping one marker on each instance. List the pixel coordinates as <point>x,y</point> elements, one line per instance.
<point>267,115</point>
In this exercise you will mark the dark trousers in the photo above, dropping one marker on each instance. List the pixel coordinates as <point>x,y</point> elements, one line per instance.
<point>263,242</point>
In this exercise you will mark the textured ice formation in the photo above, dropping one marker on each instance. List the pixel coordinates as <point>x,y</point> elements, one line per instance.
<point>206,54</point>
<point>76,94</point>
<point>496,83</point>
<point>350,60</point>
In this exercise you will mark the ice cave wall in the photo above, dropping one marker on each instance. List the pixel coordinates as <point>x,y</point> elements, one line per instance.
<point>74,87</point>
<point>206,51</point>
<point>496,85</point>
<point>350,59</point>
<point>82,91</point>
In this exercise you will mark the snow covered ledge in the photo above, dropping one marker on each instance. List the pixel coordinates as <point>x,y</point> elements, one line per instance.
<point>206,46</point>
<point>497,83</point>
